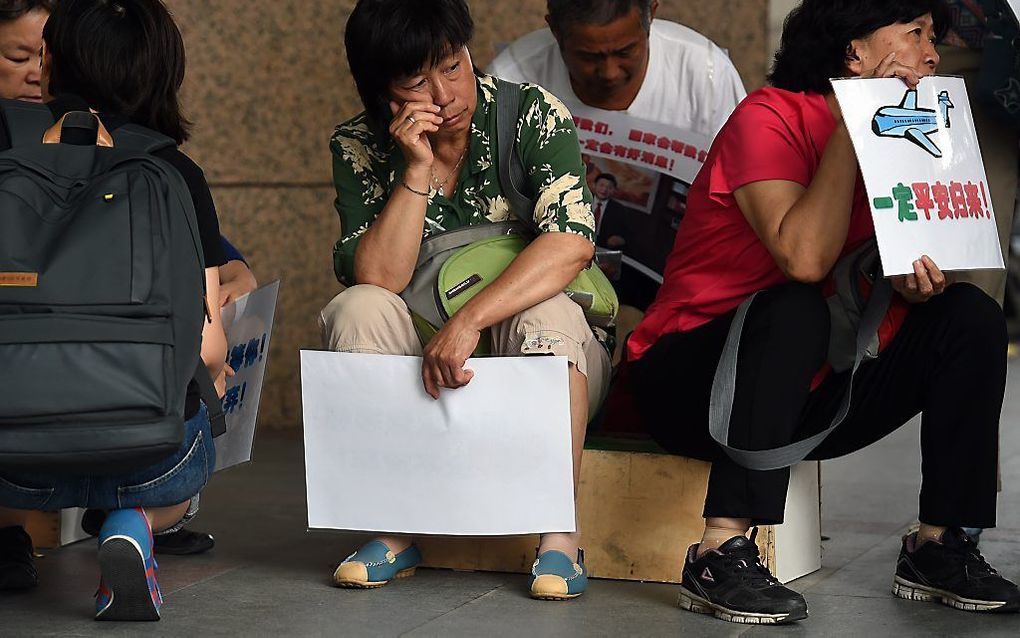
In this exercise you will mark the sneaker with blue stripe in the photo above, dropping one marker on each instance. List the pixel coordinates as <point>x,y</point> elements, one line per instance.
<point>128,589</point>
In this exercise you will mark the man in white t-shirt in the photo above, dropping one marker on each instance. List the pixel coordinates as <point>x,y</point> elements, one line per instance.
<point>613,55</point>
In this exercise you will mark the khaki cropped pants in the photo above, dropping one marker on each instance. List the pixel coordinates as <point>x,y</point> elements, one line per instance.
<point>372,320</point>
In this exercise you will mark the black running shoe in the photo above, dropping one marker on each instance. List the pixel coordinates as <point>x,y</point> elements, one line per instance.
<point>17,567</point>
<point>92,521</point>
<point>731,583</point>
<point>954,573</point>
<point>183,542</point>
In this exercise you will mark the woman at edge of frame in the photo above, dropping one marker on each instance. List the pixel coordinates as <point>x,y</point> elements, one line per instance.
<point>778,202</point>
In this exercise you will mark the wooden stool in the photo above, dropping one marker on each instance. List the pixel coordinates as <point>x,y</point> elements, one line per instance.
<point>639,513</point>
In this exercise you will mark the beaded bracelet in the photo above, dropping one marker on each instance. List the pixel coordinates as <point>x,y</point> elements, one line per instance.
<point>404,184</point>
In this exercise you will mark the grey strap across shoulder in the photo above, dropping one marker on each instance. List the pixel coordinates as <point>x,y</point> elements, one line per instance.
<point>511,166</point>
<point>725,383</point>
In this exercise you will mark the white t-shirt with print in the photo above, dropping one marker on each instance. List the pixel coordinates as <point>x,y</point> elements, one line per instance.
<point>690,84</point>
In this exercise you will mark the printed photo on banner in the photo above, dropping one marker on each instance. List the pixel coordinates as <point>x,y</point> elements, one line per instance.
<point>923,172</point>
<point>639,173</point>
<point>632,187</point>
<point>248,323</point>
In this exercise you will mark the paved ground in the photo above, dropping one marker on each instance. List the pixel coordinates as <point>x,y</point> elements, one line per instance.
<point>270,577</point>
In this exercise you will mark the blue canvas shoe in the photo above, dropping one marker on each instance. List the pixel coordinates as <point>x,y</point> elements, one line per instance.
<point>128,588</point>
<point>374,565</point>
<point>555,577</point>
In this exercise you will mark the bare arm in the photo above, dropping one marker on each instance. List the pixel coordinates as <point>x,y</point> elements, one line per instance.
<point>236,280</point>
<point>388,251</point>
<point>214,340</point>
<point>804,229</point>
<point>540,272</point>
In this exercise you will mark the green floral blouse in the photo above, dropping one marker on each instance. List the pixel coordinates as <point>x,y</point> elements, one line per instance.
<point>367,169</point>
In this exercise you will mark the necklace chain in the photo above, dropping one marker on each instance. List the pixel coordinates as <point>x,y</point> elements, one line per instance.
<point>438,185</point>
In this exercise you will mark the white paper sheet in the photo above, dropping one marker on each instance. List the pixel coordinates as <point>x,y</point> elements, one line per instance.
<point>249,327</point>
<point>489,459</point>
<point>922,167</point>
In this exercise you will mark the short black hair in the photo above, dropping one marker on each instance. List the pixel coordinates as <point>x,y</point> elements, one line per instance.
<point>564,13</point>
<point>11,10</point>
<point>120,56</point>
<point>391,39</point>
<point>609,176</point>
<point>817,33</point>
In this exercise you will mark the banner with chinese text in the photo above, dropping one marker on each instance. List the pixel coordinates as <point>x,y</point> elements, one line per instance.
<point>249,327</point>
<point>639,172</point>
<point>922,168</point>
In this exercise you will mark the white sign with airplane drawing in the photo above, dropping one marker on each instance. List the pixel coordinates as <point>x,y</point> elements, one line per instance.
<point>922,168</point>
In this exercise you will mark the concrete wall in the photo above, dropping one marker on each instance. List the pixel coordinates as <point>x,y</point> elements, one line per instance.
<point>266,84</point>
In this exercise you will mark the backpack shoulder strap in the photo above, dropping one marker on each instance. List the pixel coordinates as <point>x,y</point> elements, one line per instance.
<point>26,122</point>
<point>217,419</point>
<point>511,166</point>
<point>139,138</point>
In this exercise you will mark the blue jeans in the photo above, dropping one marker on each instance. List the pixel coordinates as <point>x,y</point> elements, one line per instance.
<point>169,482</point>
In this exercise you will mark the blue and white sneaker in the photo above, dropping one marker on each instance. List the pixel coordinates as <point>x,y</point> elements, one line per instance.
<point>374,565</point>
<point>555,577</point>
<point>127,589</point>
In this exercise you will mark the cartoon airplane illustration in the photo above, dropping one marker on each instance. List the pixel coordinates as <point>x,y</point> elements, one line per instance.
<point>908,121</point>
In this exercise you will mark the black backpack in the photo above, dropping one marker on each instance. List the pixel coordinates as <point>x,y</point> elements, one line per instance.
<point>102,296</point>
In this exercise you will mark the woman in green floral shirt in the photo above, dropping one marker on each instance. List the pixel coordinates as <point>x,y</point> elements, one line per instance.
<point>422,159</point>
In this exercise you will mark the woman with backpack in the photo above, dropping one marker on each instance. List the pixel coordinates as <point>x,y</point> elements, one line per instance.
<point>124,60</point>
<point>423,159</point>
<point>778,203</point>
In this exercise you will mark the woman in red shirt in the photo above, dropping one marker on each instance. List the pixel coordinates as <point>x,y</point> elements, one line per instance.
<point>778,202</point>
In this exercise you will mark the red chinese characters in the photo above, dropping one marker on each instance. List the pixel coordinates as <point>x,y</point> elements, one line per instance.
<point>646,147</point>
<point>664,143</point>
<point>952,201</point>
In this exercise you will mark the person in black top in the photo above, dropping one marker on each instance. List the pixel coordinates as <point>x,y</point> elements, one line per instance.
<point>236,278</point>
<point>124,59</point>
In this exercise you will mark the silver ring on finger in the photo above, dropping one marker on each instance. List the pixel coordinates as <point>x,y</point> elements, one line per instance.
<point>410,119</point>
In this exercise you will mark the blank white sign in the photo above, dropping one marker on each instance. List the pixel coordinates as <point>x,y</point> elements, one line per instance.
<point>489,459</point>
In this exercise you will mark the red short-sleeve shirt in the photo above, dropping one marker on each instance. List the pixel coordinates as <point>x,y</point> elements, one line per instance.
<point>718,261</point>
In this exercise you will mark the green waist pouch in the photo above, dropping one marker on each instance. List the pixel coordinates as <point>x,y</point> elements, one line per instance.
<point>455,266</point>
